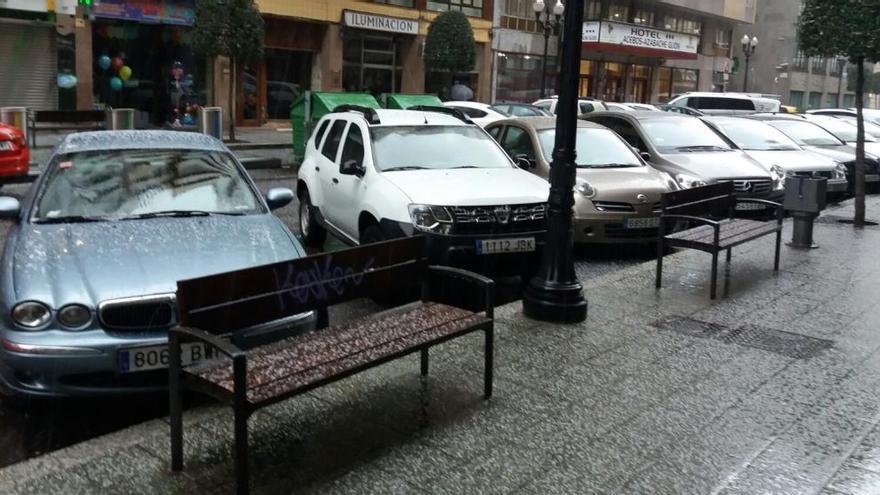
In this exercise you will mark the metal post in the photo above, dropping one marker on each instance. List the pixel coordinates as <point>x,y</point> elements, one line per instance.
<point>554,294</point>
<point>746,75</point>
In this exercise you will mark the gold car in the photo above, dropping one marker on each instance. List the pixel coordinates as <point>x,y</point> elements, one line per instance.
<point>617,194</point>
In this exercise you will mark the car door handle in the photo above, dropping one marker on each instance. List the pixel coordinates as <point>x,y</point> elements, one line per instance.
<point>335,180</point>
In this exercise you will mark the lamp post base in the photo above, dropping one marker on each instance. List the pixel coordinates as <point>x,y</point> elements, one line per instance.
<point>554,302</point>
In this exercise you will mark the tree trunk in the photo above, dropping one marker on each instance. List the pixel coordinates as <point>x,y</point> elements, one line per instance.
<point>859,220</point>
<point>232,80</point>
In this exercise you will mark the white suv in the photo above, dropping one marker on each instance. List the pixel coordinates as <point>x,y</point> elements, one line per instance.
<point>370,175</point>
<point>584,105</point>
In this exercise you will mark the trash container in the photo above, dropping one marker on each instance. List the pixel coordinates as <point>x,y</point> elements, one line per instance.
<point>805,198</point>
<point>121,119</point>
<point>16,117</point>
<point>211,121</point>
<point>311,106</point>
<point>402,101</point>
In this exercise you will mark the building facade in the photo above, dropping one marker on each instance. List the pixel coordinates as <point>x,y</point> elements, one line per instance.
<point>633,50</point>
<point>780,68</point>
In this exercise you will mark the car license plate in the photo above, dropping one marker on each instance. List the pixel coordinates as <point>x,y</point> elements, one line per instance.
<point>514,245</point>
<point>749,206</point>
<point>872,177</point>
<point>157,357</point>
<point>642,223</point>
<point>5,146</point>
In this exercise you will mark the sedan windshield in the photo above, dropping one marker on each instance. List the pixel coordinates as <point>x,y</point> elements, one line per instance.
<point>870,127</point>
<point>684,134</point>
<point>757,136</point>
<point>805,133</point>
<point>123,184</point>
<point>843,130</point>
<point>435,147</point>
<point>595,148</point>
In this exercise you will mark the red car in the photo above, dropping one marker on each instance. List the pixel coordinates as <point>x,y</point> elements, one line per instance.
<point>14,155</point>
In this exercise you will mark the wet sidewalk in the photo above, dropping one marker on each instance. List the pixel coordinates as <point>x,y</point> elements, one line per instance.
<point>774,388</point>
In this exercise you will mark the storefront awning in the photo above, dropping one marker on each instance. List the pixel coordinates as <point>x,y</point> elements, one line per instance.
<point>635,39</point>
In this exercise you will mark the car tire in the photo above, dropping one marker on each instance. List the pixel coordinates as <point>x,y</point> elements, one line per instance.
<point>371,234</point>
<point>313,233</point>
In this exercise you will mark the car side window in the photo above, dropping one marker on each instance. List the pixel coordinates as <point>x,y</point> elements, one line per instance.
<point>495,132</point>
<point>587,107</point>
<point>353,149</point>
<point>473,113</point>
<point>331,144</point>
<point>523,112</point>
<point>517,142</point>
<point>625,130</point>
<point>684,102</point>
<point>319,134</point>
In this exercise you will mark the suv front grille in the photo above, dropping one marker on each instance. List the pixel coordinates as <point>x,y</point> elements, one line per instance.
<point>498,219</point>
<point>134,314</point>
<point>750,186</point>
<point>819,174</point>
<point>613,206</point>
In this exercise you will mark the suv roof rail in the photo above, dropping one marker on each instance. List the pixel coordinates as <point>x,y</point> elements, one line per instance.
<point>368,113</point>
<point>447,110</point>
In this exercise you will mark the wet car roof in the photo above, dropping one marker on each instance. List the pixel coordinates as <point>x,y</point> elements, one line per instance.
<point>116,140</point>
<point>540,123</point>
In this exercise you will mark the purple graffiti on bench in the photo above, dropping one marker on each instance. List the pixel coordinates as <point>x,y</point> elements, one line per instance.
<point>316,282</point>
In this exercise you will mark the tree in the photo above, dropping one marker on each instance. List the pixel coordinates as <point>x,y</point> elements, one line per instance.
<point>450,45</point>
<point>232,29</point>
<point>845,27</point>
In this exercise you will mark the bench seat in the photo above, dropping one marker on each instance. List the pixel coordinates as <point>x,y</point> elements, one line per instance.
<point>286,366</point>
<point>732,232</point>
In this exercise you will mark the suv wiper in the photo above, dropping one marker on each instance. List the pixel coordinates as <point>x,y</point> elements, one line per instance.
<point>180,213</point>
<point>70,219</point>
<point>473,166</point>
<point>411,167</point>
<point>610,165</point>
<point>710,147</point>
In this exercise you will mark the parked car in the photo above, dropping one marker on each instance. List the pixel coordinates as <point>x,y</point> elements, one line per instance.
<point>520,110</point>
<point>617,193</point>
<point>370,175</point>
<point>585,105</point>
<point>91,264</point>
<point>694,155</point>
<point>479,113</point>
<point>15,158</point>
<point>870,114</point>
<point>726,103</point>
<point>814,138</point>
<point>642,107</point>
<point>770,147</point>
<point>871,129</point>
<point>845,131</point>
<point>682,110</point>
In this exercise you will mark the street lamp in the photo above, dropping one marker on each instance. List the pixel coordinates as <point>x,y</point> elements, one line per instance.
<point>548,23</point>
<point>748,45</point>
<point>554,294</point>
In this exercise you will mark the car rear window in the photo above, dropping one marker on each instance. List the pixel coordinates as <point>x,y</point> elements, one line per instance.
<point>715,103</point>
<point>333,139</point>
<point>320,133</point>
<point>473,113</point>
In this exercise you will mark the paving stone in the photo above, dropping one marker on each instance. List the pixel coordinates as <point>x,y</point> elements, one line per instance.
<point>853,480</point>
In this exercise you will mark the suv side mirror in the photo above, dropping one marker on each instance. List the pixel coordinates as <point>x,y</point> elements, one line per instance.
<point>523,162</point>
<point>278,197</point>
<point>9,207</point>
<point>351,167</point>
<point>645,156</point>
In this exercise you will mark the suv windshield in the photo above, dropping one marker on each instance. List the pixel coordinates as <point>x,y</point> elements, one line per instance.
<point>595,148</point>
<point>435,147</point>
<point>756,136</point>
<point>683,134</point>
<point>805,133</point>
<point>119,184</point>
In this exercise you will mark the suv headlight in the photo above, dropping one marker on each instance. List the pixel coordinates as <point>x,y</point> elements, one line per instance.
<point>434,219</point>
<point>586,189</point>
<point>31,314</point>
<point>688,181</point>
<point>777,173</point>
<point>840,171</point>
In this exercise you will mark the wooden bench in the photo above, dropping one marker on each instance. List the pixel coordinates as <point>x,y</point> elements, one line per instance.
<point>215,309</point>
<point>699,206</point>
<point>63,120</point>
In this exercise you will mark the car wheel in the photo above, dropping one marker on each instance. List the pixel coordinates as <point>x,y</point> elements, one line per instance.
<point>313,234</point>
<point>372,234</point>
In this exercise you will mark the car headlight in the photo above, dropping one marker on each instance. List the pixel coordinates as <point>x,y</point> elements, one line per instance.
<point>689,181</point>
<point>586,189</point>
<point>31,314</point>
<point>434,219</point>
<point>840,171</point>
<point>74,315</point>
<point>777,173</point>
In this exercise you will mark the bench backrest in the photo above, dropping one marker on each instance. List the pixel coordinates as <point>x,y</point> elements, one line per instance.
<point>69,116</point>
<point>231,301</point>
<point>712,199</point>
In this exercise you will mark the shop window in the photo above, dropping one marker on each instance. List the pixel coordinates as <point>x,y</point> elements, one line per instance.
<point>288,75</point>
<point>796,99</point>
<point>371,64</point>
<point>519,77</point>
<point>472,8</point>
<point>664,84</point>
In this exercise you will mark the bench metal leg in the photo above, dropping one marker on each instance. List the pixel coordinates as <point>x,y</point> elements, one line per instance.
<point>424,361</point>
<point>714,275</point>
<point>489,351</point>
<point>175,404</point>
<point>776,259</point>
<point>242,485</point>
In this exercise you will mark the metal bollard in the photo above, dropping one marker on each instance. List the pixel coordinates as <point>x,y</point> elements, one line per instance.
<point>211,121</point>
<point>805,197</point>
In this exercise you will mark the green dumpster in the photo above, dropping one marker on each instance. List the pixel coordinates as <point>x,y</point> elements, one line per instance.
<point>311,106</point>
<point>401,101</point>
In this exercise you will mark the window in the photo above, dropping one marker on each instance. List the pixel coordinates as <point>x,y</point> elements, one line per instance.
<point>799,64</point>
<point>619,13</point>
<point>517,142</point>
<point>594,148</point>
<point>643,16</point>
<point>849,101</point>
<point>592,10</point>
<point>319,135</point>
<point>353,149</point>
<point>820,65</point>
<point>815,100</point>
<point>671,134</point>
<point>474,113</point>
<point>472,8</point>
<point>371,64</point>
<point>832,100</point>
<point>587,107</point>
<point>623,129</point>
<point>519,77</point>
<point>682,24</point>
<point>796,99</point>
<point>331,144</point>
<point>519,15</point>
<point>714,103</point>
<point>495,132</point>
<point>684,80</point>
<point>402,3</point>
<point>439,147</point>
<point>722,38</point>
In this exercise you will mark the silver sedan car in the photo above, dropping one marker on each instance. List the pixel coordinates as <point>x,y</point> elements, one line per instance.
<point>91,264</point>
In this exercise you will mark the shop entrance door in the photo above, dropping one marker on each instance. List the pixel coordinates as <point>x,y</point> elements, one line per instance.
<point>251,101</point>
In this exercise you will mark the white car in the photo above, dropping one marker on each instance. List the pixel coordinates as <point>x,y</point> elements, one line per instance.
<point>845,131</point>
<point>726,103</point>
<point>584,105</point>
<point>480,113</point>
<point>370,175</point>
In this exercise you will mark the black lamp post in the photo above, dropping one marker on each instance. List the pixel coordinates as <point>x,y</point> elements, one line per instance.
<point>547,23</point>
<point>554,294</point>
<point>748,45</point>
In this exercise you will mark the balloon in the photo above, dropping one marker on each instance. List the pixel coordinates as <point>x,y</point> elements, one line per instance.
<point>104,62</point>
<point>125,73</point>
<point>115,83</point>
<point>66,81</point>
<point>117,63</point>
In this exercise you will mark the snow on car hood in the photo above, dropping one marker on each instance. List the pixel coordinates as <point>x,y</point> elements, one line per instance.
<point>793,160</point>
<point>470,186</point>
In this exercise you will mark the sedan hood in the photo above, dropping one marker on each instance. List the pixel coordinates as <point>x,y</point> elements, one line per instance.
<point>793,160</point>
<point>92,262</point>
<point>842,153</point>
<point>624,184</point>
<point>717,164</point>
<point>470,186</point>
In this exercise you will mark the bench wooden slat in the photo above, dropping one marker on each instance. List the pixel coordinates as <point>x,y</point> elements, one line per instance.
<point>729,228</point>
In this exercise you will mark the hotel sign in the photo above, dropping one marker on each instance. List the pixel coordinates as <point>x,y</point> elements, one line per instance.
<point>380,22</point>
<point>639,40</point>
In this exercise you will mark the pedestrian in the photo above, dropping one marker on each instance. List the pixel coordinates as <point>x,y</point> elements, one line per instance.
<point>460,92</point>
